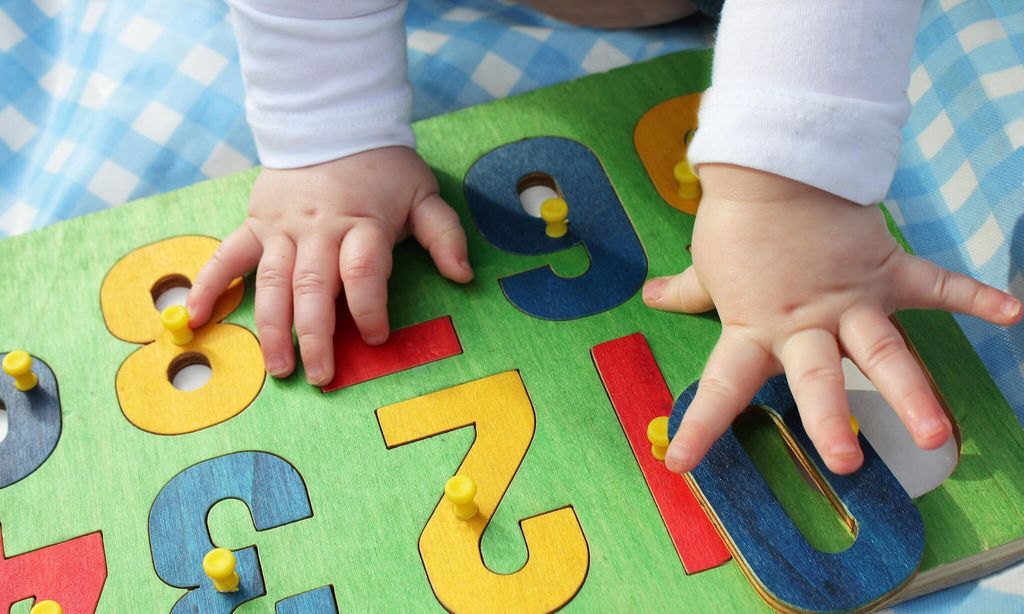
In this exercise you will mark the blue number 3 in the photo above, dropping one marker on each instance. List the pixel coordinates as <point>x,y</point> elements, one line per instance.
<point>889,538</point>
<point>179,538</point>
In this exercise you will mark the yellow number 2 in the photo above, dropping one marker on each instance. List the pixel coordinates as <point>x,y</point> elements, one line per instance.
<point>148,398</point>
<point>500,410</point>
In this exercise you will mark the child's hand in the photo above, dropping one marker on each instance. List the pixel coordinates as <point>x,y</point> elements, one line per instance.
<point>799,277</point>
<point>311,230</point>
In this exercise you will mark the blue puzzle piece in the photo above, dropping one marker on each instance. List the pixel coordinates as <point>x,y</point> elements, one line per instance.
<point>317,601</point>
<point>597,220</point>
<point>889,537</point>
<point>33,424</point>
<point>179,538</point>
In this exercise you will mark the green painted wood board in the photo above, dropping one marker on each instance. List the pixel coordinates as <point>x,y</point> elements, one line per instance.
<point>370,503</point>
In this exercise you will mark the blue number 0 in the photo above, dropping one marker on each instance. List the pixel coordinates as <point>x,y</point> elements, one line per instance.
<point>889,540</point>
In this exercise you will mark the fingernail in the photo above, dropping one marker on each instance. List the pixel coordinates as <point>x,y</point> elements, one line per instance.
<point>465,265</point>
<point>927,427</point>
<point>275,365</point>
<point>1011,307</point>
<point>315,375</point>
<point>843,449</point>
<point>653,289</point>
<point>679,459</point>
<point>376,338</point>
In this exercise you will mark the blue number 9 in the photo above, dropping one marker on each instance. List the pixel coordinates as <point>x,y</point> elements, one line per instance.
<point>597,220</point>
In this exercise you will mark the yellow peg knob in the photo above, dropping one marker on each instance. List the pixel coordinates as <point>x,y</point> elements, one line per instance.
<point>461,491</point>
<point>18,364</point>
<point>555,211</point>
<point>854,425</point>
<point>46,607</point>
<point>689,183</point>
<point>657,433</point>
<point>219,566</point>
<point>175,320</point>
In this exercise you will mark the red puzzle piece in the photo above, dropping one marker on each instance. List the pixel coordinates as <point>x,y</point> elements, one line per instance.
<point>639,394</point>
<point>72,573</point>
<point>356,362</point>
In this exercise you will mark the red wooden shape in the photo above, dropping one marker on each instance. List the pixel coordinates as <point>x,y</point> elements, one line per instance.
<point>72,573</point>
<point>639,394</point>
<point>356,362</point>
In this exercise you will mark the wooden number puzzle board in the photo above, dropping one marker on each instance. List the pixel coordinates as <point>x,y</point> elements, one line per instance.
<point>337,490</point>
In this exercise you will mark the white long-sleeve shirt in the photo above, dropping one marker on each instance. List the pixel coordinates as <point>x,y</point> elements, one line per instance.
<point>324,79</point>
<point>812,90</point>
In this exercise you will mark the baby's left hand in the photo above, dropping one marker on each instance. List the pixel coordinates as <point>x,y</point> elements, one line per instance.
<point>800,277</point>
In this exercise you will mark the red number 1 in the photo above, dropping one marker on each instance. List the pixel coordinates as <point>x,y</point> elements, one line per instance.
<point>639,394</point>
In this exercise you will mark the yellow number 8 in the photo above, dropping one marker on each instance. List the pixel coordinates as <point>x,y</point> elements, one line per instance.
<point>147,397</point>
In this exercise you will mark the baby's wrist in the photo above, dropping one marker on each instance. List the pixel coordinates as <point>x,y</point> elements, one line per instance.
<point>742,184</point>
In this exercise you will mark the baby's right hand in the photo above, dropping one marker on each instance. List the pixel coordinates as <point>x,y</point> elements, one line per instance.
<point>311,230</point>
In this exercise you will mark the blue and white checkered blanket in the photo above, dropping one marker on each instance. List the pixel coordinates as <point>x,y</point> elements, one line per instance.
<point>959,189</point>
<point>105,101</point>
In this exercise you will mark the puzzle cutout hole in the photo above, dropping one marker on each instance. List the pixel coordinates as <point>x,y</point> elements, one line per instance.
<point>170,290</point>
<point>24,606</point>
<point>3,420</point>
<point>230,525</point>
<point>918,471</point>
<point>190,371</point>
<point>534,189</point>
<point>827,529</point>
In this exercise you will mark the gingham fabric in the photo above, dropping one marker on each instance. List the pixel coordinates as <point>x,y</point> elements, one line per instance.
<point>105,102</point>
<point>101,103</point>
<point>958,190</point>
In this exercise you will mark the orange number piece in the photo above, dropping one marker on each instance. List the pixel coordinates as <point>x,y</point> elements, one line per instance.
<point>500,410</point>
<point>660,142</point>
<point>144,389</point>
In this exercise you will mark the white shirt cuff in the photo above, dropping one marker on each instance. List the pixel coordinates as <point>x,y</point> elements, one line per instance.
<point>845,146</point>
<point>324,80</point>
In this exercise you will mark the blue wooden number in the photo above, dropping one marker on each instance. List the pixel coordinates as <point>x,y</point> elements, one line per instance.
<point>33,424</point>
<point>179,538</point>
<point>889,538</point>
<point>618,264</point>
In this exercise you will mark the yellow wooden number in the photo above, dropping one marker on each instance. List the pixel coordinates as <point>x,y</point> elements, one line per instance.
<point>144,389</point>
<point>500,410</point>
